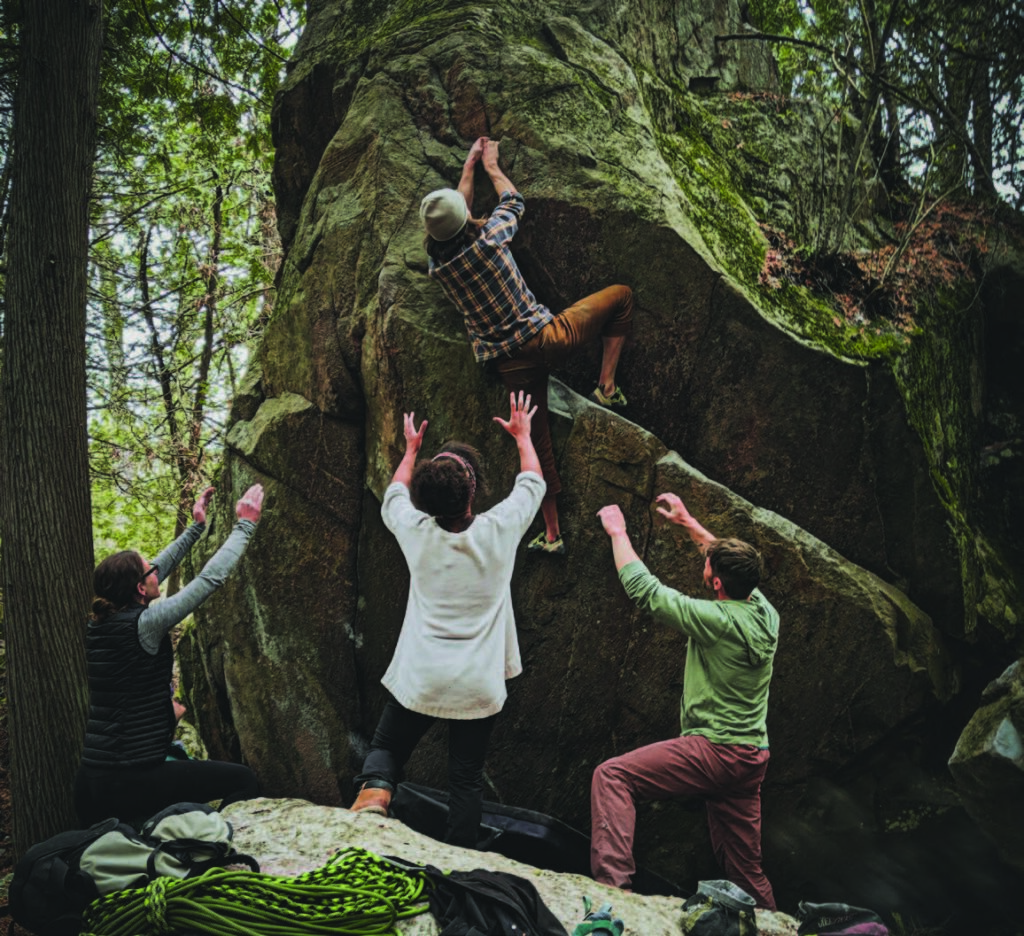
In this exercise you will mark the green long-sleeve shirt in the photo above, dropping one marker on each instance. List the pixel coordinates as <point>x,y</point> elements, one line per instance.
<point>728,662</point>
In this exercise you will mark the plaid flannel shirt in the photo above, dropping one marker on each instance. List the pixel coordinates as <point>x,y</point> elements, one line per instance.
<point>484,282</point>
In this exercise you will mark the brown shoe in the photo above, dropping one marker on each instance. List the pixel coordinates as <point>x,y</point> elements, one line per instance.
<point>372,800</point>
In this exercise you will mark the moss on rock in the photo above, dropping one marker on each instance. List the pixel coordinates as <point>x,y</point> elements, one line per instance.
<point>840,434</point>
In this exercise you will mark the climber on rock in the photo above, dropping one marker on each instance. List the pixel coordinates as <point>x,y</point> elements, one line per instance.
<point>722,752</point>
<point>472,260</point>
<point>458,643</point>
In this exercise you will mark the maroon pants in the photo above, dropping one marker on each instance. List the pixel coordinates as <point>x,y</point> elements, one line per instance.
<point>604,314</point>
<point>727,776</point>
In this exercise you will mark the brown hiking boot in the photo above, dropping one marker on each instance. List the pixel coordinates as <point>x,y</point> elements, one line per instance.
<point>372,800</point>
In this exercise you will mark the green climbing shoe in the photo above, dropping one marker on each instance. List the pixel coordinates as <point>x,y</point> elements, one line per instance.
<point>616,401</point>
<point>541,543</point>
<point>598,921</point>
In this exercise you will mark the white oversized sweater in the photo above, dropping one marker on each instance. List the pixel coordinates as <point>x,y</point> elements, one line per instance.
<point>458,642</point>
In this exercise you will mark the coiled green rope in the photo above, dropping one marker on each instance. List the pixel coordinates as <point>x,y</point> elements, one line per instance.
<point>355,894</point>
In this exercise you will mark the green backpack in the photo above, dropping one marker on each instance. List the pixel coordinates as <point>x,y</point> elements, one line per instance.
<point>56,880</point>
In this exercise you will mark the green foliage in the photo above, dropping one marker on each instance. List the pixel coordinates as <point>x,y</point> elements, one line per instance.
<point>184,247</point>
<point>924,96</point>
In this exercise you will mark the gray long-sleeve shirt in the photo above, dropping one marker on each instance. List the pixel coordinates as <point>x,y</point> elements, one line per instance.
<point>159,618</point>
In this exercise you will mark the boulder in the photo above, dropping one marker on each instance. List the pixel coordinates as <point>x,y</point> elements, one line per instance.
<point>273,679</point>
<point>861,436</point>
<point>291,836</point>
<point>988,764</point>
<point>856,658</point>
<point>845,454</point>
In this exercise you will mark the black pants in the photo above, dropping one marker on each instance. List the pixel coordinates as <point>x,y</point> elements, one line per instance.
<point>400,730</point>
<point>136,793</point>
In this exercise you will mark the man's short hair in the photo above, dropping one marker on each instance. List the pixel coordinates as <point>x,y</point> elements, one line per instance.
<point>738,565</point>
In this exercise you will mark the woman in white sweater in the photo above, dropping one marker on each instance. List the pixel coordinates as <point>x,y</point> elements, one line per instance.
<point>458,642</point>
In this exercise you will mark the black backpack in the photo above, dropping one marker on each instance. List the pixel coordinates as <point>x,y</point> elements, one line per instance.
<point>482,902</point>
<point>56,880</point>
<point>838,919</point>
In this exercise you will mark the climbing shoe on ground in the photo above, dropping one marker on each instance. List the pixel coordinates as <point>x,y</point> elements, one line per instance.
<point>374,800</point>
<point>598,921</point>
<point>615,401</point>
<point>541,543</point>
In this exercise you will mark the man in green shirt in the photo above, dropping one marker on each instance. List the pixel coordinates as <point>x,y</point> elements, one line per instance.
<point>722,752</point>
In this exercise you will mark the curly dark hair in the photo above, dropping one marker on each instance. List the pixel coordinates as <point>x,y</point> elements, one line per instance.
<point>114,581</point>
<point>738,565</point>
<point>443,251</point>
<point>442,488</point>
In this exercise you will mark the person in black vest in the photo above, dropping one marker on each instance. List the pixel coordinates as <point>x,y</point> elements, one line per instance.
<point>124,771</point>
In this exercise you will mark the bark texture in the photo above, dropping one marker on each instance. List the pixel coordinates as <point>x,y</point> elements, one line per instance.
<point>44,493</point>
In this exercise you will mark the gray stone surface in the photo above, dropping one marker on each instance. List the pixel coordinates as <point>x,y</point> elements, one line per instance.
<point>291,836</point>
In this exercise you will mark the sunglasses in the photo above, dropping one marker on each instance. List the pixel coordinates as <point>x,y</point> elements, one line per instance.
<point>154,569</point>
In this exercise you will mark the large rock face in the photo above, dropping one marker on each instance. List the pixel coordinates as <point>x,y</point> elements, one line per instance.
<point>801,444</point>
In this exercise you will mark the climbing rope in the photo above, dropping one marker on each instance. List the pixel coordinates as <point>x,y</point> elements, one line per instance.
<point>355,894</point>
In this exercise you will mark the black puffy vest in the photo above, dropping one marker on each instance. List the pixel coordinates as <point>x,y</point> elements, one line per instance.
<point>131,719</point>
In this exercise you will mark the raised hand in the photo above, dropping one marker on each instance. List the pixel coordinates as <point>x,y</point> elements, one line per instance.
<point>251,504</point>
<point>612,519</point>
<point>476,151</point>
<point>490,154</point>
<point>413,436</point>
<point>521,417</point>
<point>201,505</point>
<point>674,509</point>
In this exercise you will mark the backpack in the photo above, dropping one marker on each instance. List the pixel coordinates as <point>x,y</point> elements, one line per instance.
<point>523,834</point>
<point>838,919</point>
<point>719,908</point>
<point>482,902</point>
<point>56,880</point>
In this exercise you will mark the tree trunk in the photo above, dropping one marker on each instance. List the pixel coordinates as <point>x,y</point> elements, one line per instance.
<point>981,126</point>
<point>888,159</point>
<point>44,494</point>
<point>952,137</point>
<point>211,274</point>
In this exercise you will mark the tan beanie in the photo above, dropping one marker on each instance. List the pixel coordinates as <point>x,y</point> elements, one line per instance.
<point>444,214</point>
